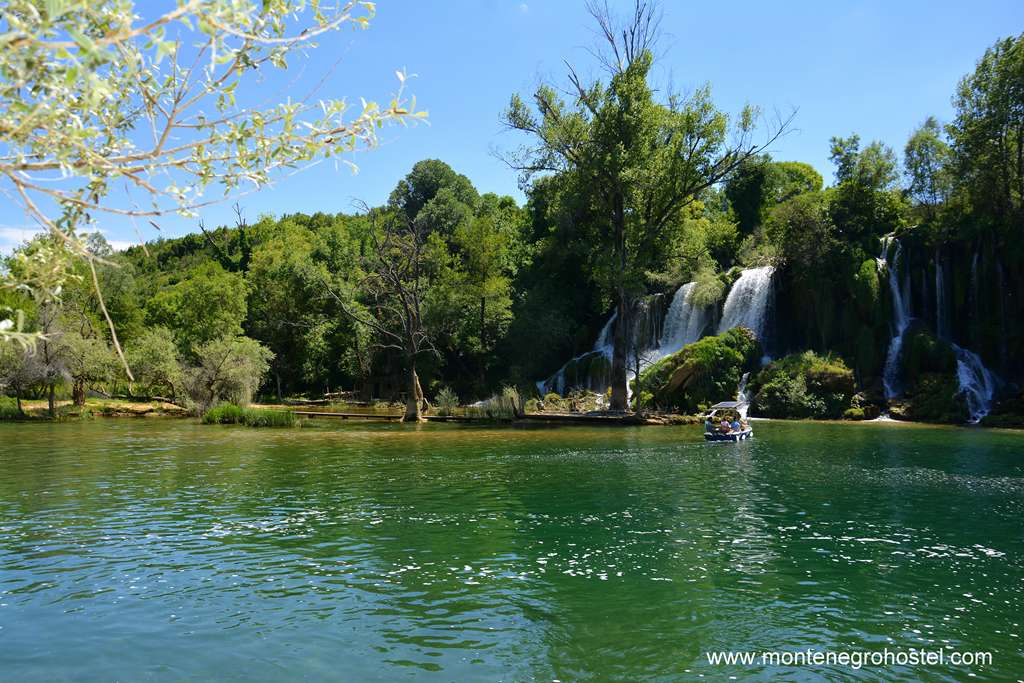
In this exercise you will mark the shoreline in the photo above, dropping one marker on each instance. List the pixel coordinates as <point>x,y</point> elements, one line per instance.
<point>119,408</point>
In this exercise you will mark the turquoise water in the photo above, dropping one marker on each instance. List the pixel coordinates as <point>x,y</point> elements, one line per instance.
<point>165,550</point>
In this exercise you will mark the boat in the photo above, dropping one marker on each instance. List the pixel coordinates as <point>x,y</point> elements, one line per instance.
<point>728,410</point>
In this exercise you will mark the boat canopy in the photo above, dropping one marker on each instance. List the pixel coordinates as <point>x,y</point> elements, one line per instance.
<point>729,404</point>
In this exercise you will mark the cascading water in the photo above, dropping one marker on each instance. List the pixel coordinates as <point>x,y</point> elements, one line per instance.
<point>748,301</point>
<point>977,383</point>
<point>742,397</point>
<point>603,347</point>
<point>684,324</point>
<point>654,338</point>
<point>901,316</point>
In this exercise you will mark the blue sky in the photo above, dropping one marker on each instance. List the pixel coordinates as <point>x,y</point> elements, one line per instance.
<point>874,68</point>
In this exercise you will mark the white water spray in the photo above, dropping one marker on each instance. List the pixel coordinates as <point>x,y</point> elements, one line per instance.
<point>977,383</point>
<point>901,316</point>
<point>748,301</point>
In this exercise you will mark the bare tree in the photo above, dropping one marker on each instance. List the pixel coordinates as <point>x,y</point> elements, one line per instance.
<point>391,284</point>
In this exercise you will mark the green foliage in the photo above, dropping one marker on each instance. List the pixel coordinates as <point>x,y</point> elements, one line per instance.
<point>223,413</point>
<point>702,373</point>
<point>803,385</point>
<point>759,184</point>
<point>155,361</point>
<point>986,136</point>
<point>926,163</point>
<point>447,401</point>
<point>865,204</point>
<point>209,303</point>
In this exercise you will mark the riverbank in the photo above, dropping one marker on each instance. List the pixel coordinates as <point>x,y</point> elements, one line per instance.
<point>36,410</point>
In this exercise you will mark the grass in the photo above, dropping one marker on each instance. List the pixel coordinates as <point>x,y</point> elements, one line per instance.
<point>229,413</point>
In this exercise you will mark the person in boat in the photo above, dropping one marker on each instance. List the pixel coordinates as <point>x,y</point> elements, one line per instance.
<point>724,427</point>
<point>736,426</point>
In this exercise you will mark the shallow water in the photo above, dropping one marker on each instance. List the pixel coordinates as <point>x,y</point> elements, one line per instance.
<point>165,550</point>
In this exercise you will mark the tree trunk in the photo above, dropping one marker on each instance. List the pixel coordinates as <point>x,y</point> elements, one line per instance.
<point>619,398</point>
<point>52,402</point>
<point>277,375</point>
<point>421,397</point>
<point>17,398</point>
<point>413,397</point>
<point>483,357</point>
<point>78,393</point>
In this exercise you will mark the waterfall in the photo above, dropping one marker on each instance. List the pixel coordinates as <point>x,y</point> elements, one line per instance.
<point>684,324</point>
<point>901,317</point>
<point>748,301</point>
<point>741,395</point>
<point>977,383</point>
<point>655,337</point>
<point>603,347</point>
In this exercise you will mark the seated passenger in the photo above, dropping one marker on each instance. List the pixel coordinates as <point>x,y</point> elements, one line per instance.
<point>736,426</point>
<point>724,427</point>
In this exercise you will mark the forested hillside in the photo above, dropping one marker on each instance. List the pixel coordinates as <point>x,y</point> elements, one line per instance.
<point>902,274</point>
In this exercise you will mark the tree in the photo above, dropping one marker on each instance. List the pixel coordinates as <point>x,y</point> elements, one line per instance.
<point>17,371</point>
<point>643,161</point>
<point>987,133</point>
<point>865,203</point>
<point>227,369</point>
<point>156,362</point>
<point>926,161</point>
<point>759,183</point>
<point>94,97</point>
<point>387,292</point>
<point>87,360</point>
<point>209,303</point>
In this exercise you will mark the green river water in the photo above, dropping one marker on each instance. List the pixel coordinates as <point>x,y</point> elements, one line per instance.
<point>163,550</point>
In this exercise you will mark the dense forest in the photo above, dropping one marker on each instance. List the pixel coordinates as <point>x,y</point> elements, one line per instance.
<point>654,257</point>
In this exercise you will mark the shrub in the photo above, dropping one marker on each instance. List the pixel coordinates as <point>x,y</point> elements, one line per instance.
<point>803,385</point>
<point>229,369</point>
<point>229,413</point>
<point>447,401</point>
<point>552,398</point>
<point>854,414</point>
<point>9,409</point>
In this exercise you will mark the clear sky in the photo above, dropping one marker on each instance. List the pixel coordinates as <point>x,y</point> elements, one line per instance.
<point>874,68</point>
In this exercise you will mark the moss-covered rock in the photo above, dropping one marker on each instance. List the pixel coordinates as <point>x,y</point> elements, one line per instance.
<point>935,397</point>
<point>929,369</point>
<point>1007,414</point>
<point>701,373</point>
<point>803,385</point>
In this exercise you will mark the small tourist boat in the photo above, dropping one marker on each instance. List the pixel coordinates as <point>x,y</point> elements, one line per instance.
<point>731,411</point>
